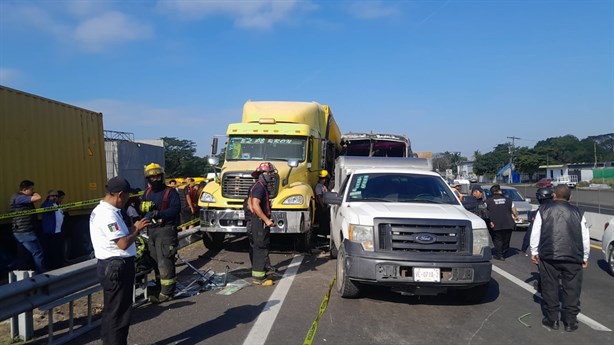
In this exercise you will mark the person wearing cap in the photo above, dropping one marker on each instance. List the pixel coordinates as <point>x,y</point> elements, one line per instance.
<point>114,247</point>
<point>322,214</point>
<point>24,226</point>
<point>480,206</point>
<point>51,223</point>
<point>456,189</point>
<point>259,223</point>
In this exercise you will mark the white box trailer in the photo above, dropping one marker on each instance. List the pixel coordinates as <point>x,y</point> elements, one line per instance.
<point>345,164</point>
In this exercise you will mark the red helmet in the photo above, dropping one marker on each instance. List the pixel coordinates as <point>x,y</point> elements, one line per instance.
<point>264,166</point>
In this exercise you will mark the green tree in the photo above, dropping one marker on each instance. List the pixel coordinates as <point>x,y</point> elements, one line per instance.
<point>447,160</point>
<point>180,160</point>
<point>526,160</point>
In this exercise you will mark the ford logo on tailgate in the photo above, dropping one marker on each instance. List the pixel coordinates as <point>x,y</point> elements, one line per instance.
<point>425,238</point>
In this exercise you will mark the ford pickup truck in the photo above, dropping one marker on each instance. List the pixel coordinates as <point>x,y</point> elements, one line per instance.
<point>395,222</point>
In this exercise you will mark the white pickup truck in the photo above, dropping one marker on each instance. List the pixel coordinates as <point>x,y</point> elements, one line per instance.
<point>570,180</point>
<point>397,223</point>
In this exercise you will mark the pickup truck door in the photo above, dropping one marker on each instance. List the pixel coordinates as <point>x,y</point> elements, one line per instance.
<point>336,214</point>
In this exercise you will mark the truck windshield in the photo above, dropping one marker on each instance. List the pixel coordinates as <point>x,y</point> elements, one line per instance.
<point>399,188</point>
<point>265,148</point>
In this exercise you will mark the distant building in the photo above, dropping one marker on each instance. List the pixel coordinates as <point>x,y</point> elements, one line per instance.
<point>583,171</point>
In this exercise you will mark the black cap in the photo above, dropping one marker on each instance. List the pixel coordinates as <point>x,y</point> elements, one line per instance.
<point>119,184</point>
<point>476,187</point>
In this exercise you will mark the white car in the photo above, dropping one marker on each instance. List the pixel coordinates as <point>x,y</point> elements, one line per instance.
<point>607,244</point>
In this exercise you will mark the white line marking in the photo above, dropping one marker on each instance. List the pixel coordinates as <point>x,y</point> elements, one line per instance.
<point>264,323</point>
<point>581,317</point>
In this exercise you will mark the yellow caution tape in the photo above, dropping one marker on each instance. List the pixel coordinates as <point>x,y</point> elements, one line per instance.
<point>54,208</point>
<point>193,221</point>
<point>314,327</point>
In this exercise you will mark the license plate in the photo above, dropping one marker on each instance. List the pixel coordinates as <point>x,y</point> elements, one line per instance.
<point>426,274</point>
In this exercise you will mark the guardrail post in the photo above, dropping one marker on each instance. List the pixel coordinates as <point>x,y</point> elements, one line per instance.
<point>22,325</point>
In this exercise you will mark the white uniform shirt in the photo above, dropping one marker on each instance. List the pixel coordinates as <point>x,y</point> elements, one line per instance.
<point>536,231</point>
<point>59,220</point>
<point>107,225</point>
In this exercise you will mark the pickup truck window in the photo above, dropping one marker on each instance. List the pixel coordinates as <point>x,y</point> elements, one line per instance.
<point>399,188</point>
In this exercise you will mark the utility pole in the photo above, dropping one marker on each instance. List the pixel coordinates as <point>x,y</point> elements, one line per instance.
<point>511,158</point>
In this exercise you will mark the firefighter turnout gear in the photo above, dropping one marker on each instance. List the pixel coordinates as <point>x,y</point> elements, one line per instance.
<point>163,242</point>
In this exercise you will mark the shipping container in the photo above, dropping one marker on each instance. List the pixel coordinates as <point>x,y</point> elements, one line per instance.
<point>53,144</point>
<point>57,146</point>
<point>129,158</point>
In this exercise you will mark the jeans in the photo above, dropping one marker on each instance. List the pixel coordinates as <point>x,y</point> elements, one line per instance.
<point>29,240</point>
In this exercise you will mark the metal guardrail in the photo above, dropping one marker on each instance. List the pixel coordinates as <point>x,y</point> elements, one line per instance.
<point>48,288</point>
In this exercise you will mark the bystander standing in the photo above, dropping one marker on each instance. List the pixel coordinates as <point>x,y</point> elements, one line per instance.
<point>560,246</point>
<point>24,226</point>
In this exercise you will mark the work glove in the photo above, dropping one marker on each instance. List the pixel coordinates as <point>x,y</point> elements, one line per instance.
<point>147,206</point>
<point>153,216</point>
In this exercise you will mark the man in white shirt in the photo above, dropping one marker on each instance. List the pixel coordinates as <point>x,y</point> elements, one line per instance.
<point>114,248</point>
<point>560,246</point>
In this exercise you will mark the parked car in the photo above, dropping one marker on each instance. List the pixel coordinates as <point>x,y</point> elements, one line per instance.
<point>545,182</point>
<point>521,203</point>
<point>607,244</point>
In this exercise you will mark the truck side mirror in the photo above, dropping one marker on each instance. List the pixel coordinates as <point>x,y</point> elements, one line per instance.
<point>292,164</point>
<point>332,198</point>
<point>214,146</point>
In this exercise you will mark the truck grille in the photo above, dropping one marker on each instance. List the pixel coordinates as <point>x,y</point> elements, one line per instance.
<point>424,236</point>
<point>236,185</point>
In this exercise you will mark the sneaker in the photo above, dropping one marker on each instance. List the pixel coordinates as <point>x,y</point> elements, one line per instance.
<point>550,325</point>
<point>571,327</point>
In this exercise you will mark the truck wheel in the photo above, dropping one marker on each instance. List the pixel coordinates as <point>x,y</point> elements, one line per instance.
<point>333,250</point>
<point>214,240</point>
<point>475,294</point>
<point>304,238</point>
<point>345,287</point>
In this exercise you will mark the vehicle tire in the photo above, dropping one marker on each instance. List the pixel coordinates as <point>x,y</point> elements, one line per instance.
<point>345,287</point>
<point>303,243</point>
<point>214,240</point>
<point>611,259</point>
<point>333,249</point>
<point>475,294</point>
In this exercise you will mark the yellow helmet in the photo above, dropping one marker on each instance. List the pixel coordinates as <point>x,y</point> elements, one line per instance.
<point>323,173</point>
<point>153,169</point>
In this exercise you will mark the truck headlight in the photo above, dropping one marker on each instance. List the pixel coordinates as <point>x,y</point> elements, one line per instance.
<point>206,197</point>
<point>362,234</point>
<point>293,200</point>
<point>481,240</point>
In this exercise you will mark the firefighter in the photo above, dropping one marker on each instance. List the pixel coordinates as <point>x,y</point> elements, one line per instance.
<point>161,204</point>
<point>259,223</point>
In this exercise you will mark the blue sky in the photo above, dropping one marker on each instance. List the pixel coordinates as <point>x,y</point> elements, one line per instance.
<point>451,75</point>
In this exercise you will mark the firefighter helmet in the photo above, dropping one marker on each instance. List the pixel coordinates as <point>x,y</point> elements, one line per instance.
<point>264,166</point>
<point>153,169</point>
<point>323,174</point>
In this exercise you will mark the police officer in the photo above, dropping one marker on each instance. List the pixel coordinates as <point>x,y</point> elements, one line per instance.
<point>162,205</point>
<point>114,248</point>
<point>502,220</point>
<point>480,206</point>
<point>260,222</point>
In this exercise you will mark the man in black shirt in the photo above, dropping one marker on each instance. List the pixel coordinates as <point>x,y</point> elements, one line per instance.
<point>502,216</point>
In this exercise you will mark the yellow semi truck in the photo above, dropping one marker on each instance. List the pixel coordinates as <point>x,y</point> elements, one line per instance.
<point>300,139</point>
